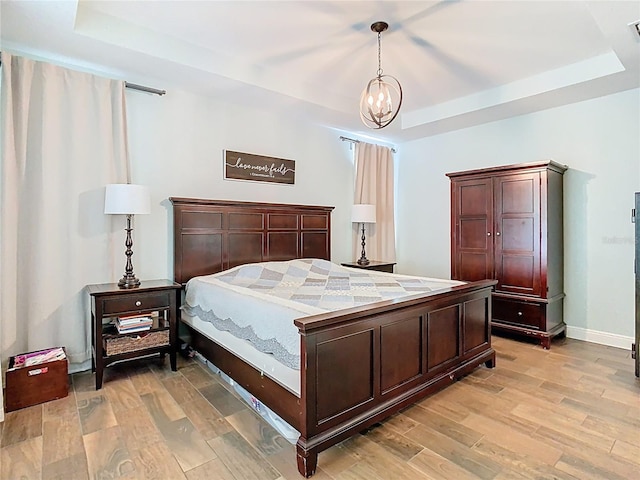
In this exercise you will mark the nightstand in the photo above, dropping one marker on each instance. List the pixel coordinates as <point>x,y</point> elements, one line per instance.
<point>373,265</point>
<point>157,299</point>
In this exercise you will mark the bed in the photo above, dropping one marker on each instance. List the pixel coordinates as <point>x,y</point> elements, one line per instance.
<point>357,366</point>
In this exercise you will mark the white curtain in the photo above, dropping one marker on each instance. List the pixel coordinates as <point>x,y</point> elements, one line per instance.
<point>374,185</point>
<point>63,140</point>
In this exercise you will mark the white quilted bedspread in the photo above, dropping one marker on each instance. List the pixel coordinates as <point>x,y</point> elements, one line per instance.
<point>258,302</point>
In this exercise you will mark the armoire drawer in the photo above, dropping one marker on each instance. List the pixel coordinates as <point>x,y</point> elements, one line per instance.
<point>518,313</point>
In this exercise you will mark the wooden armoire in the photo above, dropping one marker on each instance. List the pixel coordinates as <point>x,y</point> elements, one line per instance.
<point>506,224</point>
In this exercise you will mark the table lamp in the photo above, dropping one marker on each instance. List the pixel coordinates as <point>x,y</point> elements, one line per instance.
<point>363,213</point>
<point>127,199</point>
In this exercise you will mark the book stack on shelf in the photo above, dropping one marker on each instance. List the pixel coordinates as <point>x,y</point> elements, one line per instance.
<point>134,323</point>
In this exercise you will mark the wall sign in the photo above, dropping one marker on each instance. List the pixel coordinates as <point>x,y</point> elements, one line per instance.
<point>258,168</point>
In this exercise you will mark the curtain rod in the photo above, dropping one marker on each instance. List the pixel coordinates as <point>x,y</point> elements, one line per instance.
<point>142,88</point>
<point>353,140</point>
<point>134,86</point>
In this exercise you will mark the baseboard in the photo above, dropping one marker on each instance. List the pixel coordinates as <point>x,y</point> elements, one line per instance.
<point>602,338</point>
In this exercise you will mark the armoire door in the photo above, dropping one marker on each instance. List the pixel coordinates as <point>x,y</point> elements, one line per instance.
<point>517,233</point>
<point>472,239</point>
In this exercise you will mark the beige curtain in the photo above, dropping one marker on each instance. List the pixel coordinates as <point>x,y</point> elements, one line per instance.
<point>374,185</point>
<point>63,139</point>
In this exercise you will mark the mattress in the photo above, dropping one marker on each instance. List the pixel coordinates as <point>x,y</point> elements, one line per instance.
<point>250,309</point>
<point>266,363</point>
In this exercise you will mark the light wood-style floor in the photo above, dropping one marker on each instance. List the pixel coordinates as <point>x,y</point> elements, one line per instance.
<point>572,412</point>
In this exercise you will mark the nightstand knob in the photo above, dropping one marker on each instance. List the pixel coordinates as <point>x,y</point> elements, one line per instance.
<point>138,303</point>
<point>519,314</point>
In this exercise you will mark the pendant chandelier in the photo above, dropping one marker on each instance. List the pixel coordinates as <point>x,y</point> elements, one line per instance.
<point>381,99</point>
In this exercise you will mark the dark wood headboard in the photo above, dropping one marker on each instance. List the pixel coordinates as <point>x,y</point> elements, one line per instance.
<point>214,235</point>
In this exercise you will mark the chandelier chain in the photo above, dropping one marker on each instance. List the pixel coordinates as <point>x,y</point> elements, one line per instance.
<point>379,67</point>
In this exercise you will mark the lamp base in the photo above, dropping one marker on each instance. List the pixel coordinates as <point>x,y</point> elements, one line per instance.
<point>363,260</point>
<point>129,281</point>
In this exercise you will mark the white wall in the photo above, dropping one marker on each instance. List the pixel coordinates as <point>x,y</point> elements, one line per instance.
<point>600,142</point>
<point>176,147</point>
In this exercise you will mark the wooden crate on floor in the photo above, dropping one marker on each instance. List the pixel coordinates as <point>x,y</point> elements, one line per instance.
<point>34,384</point>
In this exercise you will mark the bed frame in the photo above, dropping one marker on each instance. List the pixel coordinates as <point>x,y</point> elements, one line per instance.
<point>358,366</point>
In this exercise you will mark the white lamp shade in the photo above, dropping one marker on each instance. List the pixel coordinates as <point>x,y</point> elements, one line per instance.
<point>363,213</point>
<point>127,199</point>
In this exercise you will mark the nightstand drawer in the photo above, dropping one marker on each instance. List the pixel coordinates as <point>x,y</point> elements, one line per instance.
<point>518,313</point>
<point>134,303</point>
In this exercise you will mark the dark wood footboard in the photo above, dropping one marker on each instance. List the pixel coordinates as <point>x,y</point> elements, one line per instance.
<point>367,364</point>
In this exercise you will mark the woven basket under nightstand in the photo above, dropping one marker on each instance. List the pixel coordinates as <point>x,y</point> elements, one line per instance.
<point>141,341</point>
